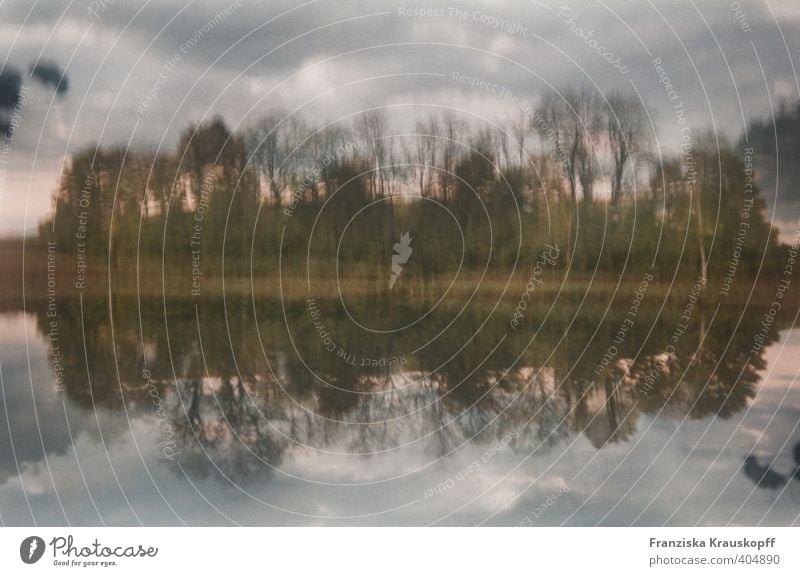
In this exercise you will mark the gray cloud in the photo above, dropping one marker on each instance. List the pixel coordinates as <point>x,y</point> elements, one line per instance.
<point>336,57</point>
<point>51,75</point>
<point>10,86</point>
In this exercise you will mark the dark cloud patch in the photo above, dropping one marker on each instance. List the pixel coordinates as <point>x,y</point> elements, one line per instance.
<point>10,87</point>
<point>51,75</point>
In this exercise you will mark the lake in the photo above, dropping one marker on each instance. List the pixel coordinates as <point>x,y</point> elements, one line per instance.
<point>254,412</point>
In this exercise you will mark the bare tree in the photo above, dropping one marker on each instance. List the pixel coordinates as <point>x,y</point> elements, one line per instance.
<point>501,138</point>
<point>331,148</point>
<point>371,127</point>
<point>433,129</point>
<point>588,113</point>
<point>266,145</point>
<point>423,144</point>
<point>570,120</point>
<point>520,126</point>
<point>453,132</point>
<point>559,131</point>
<point>625,131</point>
<point>427,153</point>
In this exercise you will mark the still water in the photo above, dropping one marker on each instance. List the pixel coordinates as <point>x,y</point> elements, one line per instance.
<point>253,413</point>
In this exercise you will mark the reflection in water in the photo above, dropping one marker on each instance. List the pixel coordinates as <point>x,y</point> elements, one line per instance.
<point>265,407</point>
<point>765,476</point>
<point>243,408</point>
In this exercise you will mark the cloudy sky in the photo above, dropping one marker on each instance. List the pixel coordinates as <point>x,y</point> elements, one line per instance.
<point>138,72</point>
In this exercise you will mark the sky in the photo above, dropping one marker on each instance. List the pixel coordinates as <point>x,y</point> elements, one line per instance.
<point>136,73</point>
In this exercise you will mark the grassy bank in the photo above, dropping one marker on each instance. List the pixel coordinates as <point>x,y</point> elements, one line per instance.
<point>27,270</point>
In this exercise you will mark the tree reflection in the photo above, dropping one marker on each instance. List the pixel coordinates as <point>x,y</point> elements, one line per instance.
<point>240,410</point>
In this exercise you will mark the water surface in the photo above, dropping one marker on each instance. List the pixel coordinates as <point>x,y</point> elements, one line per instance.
<point>240,412</point>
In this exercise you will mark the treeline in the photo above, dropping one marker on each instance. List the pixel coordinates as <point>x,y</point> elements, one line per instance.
<point>576,172</point>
